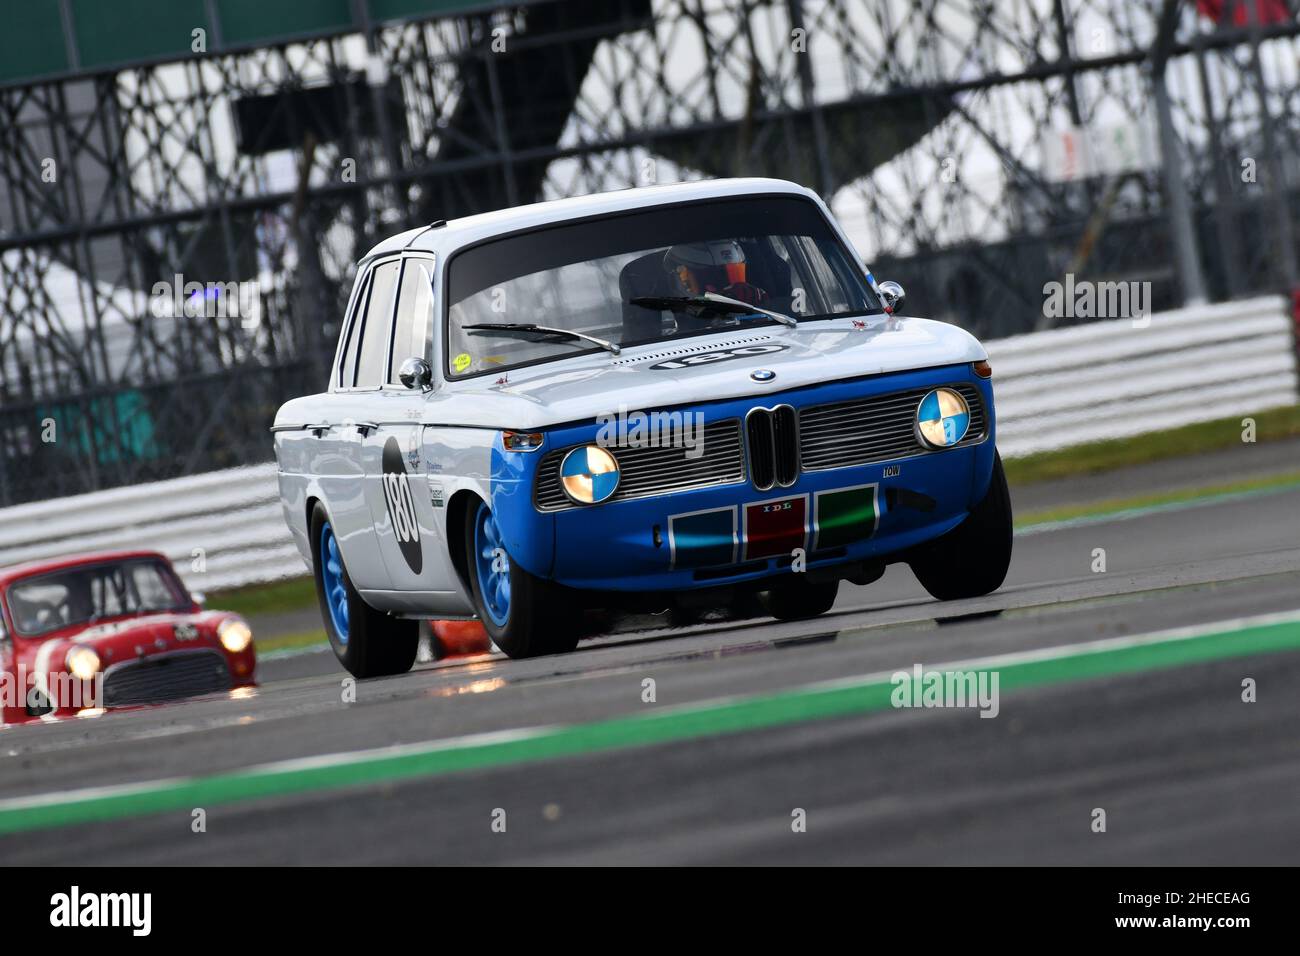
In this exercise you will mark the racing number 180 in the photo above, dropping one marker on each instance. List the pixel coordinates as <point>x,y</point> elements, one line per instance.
<point>401,507</point>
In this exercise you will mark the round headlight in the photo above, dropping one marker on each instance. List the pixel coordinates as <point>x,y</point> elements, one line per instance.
<point>83,663</point>
<point>235,635</point>
<point>942,418</point>
<point>589,475</point>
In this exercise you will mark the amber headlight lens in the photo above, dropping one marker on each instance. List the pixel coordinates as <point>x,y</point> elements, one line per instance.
<point>235,636</point>
<point>942,418</point>
<point>522,441</point>
<point>589,475</point>
<point>83,663</point>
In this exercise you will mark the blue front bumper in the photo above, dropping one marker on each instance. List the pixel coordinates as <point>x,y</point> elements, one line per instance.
<point>630,545</point>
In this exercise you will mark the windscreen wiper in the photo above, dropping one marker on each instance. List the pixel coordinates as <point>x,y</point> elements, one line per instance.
<point>533,329</point>
<point>701,305</point>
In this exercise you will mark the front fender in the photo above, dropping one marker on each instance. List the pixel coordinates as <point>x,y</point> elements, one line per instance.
<point>529,535</point>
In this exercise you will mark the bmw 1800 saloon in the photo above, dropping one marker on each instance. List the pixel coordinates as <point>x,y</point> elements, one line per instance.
<point>667,394</point>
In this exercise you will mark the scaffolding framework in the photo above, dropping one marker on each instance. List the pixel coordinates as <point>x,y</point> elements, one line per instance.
<point>939,130</point>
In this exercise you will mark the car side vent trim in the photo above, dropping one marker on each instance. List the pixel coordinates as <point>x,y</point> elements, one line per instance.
<point>713,346</point>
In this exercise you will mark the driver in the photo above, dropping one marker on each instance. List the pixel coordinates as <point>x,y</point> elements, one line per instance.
<point>717,266</point>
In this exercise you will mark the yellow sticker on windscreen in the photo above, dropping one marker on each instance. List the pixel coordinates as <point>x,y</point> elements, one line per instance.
<point>462,361</point>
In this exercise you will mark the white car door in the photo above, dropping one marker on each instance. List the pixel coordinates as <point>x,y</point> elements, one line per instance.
<point>397,488</point>
<point>329,446</point>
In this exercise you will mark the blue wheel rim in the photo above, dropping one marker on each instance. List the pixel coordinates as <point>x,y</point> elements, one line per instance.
<point>331,572</point>
<point>493,567</point>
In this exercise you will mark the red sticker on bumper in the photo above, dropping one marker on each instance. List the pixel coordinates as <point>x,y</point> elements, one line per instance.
<point>774,528</point>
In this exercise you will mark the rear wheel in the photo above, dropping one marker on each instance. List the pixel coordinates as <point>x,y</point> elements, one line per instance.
<point>796,598</point>
<point>524,615</point>
<point>972,559</point>
<point>368,643</point>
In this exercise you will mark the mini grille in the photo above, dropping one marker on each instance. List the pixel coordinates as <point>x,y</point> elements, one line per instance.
<point>166,677</point>
<point>879,428</point>
<point>655,471</point>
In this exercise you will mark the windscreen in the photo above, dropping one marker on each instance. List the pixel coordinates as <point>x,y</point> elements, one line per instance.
<point>640,277</point>
<point>90,593</point>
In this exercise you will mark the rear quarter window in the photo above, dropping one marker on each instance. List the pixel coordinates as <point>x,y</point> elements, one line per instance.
<point>348,363</point>
<point>377,327</point>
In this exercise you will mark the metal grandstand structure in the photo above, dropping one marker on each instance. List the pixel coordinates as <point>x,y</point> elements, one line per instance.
<point>975,149</point>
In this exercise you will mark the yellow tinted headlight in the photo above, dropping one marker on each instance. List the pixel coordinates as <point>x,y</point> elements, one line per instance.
<point>83,663</point>
<point>235,635</point>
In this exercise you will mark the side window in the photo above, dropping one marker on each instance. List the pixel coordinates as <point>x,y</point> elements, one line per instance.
<point>375,332</point>
<point>348,366</point>
<point>414,315</point>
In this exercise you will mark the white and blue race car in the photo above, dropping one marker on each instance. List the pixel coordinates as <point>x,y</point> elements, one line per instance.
<point>685,393</point>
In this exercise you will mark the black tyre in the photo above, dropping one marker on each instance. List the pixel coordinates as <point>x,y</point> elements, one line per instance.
<point>524,615</point>
<point>972,559</point>
<point>368,643</point>
<point>796,598</point>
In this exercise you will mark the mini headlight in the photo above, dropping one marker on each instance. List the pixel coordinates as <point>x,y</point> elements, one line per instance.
<point>235,635</point>
<point>83,663</point>
<point>589,475</point>
<point>942,418</point>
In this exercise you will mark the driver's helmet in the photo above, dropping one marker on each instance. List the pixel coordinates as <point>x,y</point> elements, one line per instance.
<point>706,266</point>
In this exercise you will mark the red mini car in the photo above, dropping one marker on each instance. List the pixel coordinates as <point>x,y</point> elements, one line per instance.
<point>113,629</point>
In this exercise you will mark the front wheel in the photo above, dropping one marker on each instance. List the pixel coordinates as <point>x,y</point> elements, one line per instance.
<point>524,615</point>
<point>367,642</point>
<point>972,559</point>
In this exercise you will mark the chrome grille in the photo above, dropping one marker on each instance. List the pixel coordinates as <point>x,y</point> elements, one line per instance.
<point>772,435</point>
<point>785,431</point>
<point>655,471</point>
<point>879,428</point>
<point>761,442</point>
<point>163,677</point>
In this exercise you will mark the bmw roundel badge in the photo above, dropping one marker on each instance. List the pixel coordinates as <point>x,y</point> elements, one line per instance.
<point>942,418</point>
<point>589,475</point>
<point>762,375</point>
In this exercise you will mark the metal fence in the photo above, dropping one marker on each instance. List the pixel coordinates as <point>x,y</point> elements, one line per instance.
<point>974,150</point>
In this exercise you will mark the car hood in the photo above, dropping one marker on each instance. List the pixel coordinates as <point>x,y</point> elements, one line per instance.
<point>703,369</point>
<point>117,641</point>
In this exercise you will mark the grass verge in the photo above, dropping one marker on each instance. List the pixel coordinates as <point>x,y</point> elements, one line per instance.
<point>1101,456</point>
<point>290,642</point>
<point>278,597</point>
<point>1139,502</point>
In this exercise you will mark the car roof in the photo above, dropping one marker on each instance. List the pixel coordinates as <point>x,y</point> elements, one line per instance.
<point>47,565</point>
<point>443,239</point>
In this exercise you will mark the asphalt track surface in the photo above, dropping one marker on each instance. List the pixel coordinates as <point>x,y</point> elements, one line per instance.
<point>1185,771</point>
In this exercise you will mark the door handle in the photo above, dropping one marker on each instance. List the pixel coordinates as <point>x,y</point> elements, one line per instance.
<point>319,428</point>
<point>366,427</point>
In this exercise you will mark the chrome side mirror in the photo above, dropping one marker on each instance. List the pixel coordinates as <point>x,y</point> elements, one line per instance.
<point>892,296</point>
<point>416,373</point>
<point>199,598</point>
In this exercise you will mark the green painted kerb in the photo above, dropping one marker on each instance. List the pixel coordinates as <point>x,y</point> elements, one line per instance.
<point>727,716</point>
